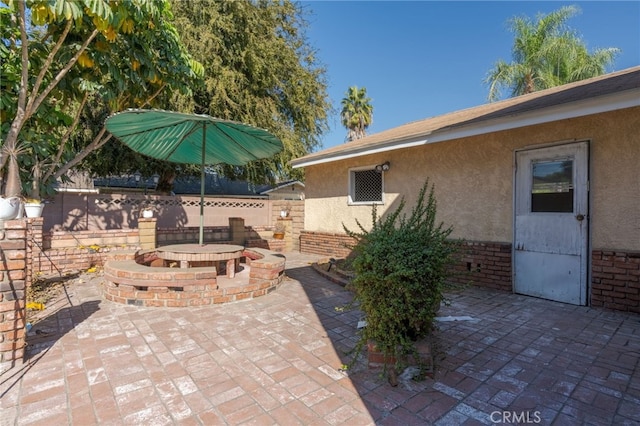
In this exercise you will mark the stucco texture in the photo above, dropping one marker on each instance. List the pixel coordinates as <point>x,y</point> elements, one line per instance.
<point>474,176</point>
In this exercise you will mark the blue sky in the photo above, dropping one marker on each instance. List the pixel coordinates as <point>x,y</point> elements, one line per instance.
<point>419,59</point>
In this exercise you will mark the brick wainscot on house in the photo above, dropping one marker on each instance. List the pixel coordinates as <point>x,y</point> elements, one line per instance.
<point>544,189</point>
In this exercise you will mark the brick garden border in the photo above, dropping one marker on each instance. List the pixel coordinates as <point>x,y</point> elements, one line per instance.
<point>615,274</point>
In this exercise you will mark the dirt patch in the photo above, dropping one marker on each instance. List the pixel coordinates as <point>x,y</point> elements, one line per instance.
<point>43,290</point>
<point>47,290</point>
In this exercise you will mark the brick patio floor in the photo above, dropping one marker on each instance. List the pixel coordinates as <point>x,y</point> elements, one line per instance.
<point>276,360</point>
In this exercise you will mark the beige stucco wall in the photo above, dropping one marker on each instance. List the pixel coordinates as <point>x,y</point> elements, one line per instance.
<point>473,179</point>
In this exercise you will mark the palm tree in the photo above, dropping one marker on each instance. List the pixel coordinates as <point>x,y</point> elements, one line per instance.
<point>546,53</point>
<point>357,113</point>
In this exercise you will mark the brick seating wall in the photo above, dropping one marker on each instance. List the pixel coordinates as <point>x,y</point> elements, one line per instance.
<point>325,244</point>
<point>270,244</point>
<point>135,282</point>
<point>57,252</point>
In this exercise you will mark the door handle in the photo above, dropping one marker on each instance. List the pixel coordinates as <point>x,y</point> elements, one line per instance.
<point>580,217</point>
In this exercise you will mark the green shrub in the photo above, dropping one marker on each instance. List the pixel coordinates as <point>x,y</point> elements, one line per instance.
<point>401,267</point>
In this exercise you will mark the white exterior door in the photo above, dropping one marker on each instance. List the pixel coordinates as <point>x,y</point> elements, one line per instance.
<point>552,222</point>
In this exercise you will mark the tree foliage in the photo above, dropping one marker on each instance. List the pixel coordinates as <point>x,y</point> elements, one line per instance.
<point>546,53</point>
<point>357,113</point>
<point>56,55</point>
<point>260,70</point>
<point>401,267</point>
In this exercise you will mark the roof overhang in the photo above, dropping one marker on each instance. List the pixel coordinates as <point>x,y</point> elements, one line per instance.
<point>600,104</point>
<point>284,185</point>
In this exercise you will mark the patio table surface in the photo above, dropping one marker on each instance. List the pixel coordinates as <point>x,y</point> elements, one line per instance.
<point>188,253</point>
<point>277,360</point>
<point>200,252</point>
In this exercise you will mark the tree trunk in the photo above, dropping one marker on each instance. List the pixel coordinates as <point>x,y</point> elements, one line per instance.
<point>95,144</point>
<point>13,186</point>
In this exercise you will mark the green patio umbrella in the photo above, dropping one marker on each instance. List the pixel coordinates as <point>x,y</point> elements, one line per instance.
<point>192,139</point>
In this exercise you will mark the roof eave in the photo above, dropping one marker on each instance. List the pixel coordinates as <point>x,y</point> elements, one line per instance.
<point>294,182</point>
<point>595,105</point>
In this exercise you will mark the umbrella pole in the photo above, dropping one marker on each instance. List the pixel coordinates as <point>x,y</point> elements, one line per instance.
<point>202,181</point>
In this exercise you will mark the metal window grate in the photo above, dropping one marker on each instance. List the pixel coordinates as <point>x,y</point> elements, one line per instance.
<point>367,186</point>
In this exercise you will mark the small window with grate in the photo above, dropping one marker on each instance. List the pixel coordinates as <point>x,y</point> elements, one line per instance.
<point>365,186</point>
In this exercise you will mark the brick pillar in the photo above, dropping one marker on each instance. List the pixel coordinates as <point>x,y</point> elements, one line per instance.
<point>34,248</point>
<point>296,216</point>
<point>13,247</point>
<point>237,232</point>
<point>288,233</point>
<point>297,222</point>
<point>147,232</point>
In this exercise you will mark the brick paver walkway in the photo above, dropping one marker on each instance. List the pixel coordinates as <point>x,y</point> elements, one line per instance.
<point>276,360</point>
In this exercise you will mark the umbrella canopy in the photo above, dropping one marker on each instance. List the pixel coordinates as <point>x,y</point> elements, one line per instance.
<point>182,138</point>
<point>192,139</point>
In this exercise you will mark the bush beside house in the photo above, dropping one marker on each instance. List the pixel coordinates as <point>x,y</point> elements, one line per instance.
<point>401,267</point>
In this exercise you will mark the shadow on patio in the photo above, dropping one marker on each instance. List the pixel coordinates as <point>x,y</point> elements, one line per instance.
<point>507,358</point>
<point>277,360</point>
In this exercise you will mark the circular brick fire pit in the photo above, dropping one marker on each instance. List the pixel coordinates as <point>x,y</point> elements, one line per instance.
<point>150,279</point>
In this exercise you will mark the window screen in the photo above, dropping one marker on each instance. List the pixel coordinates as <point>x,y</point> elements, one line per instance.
<point>366,186</point>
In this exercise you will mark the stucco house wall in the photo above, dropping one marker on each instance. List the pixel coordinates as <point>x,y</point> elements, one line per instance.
<point>470,158</point>
<point>473,180</point>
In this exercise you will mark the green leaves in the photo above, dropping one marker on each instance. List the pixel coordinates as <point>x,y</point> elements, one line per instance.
<point>357,113</point>
<point>401,268</point>
<point>128,52</point>
<point>67,10</point>
<point>257,69</point>
<point>246,61</point>
<point>546,53</point>
<point>98,8</point>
